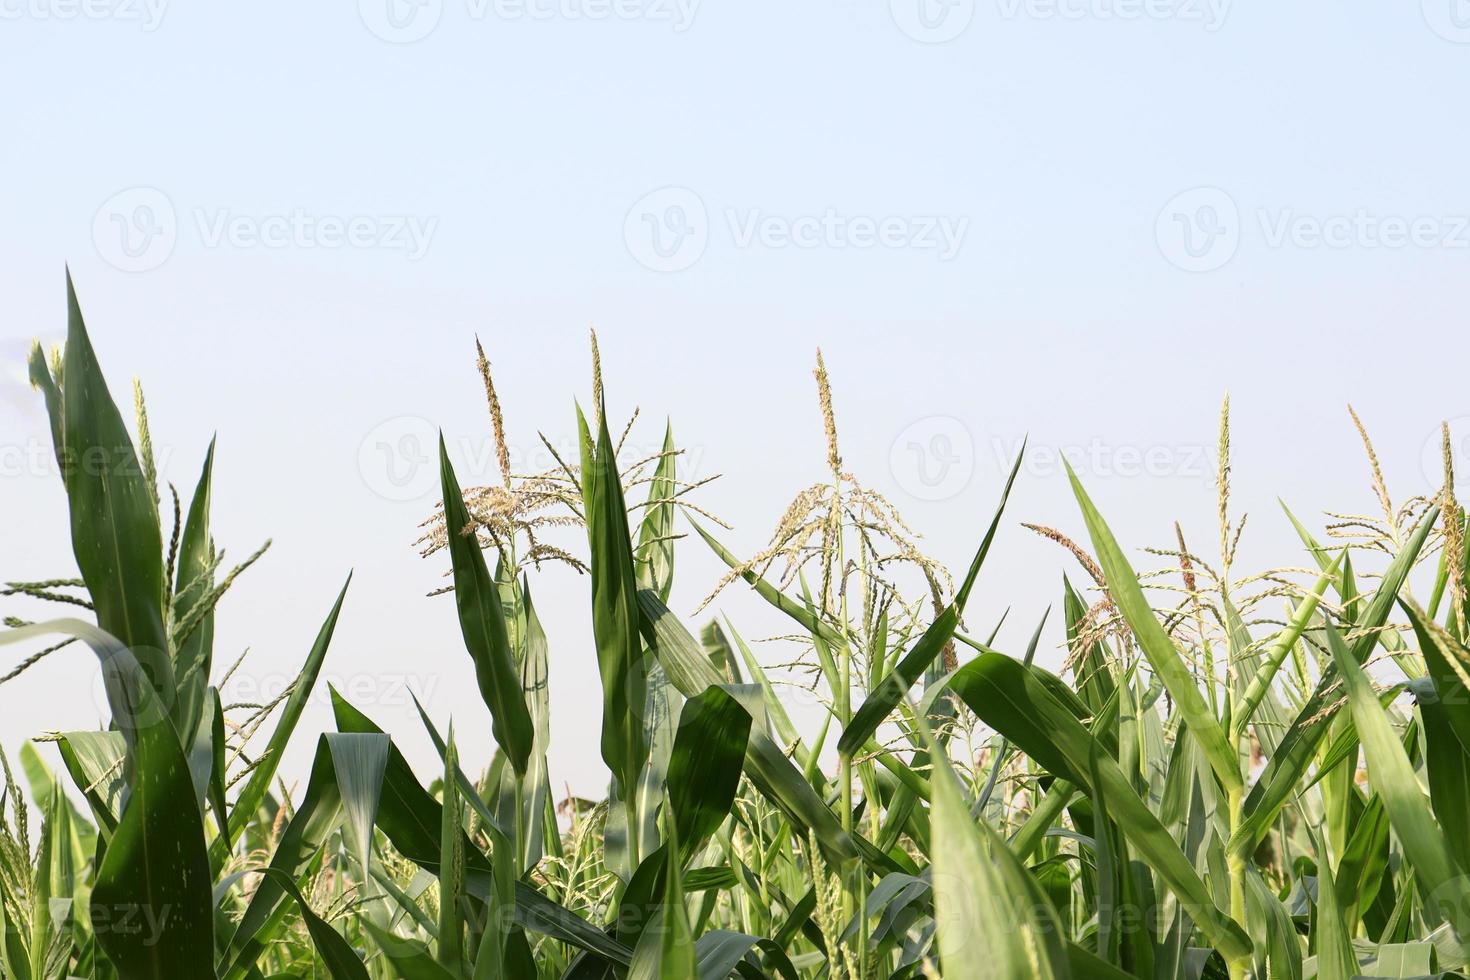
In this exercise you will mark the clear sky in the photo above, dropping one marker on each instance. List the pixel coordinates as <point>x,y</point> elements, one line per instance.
<point>1085,220</point>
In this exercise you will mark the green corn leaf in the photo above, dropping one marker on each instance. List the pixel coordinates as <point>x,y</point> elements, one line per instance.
<point>42,926</point>
<point>535,682</point>
<point>1019,703</point>
<point>359,762</point>
<point>665,948</point>
<point>1364,860</point>
<point>1445,707</point>
<point>218,764</point>
<point>1162,656</point>
<point>1281,645</point>
<point>655,554</point>
<point>1087,965</point>
<point>883,699</point>
<point>720,952</point>
<point>1446,887</point>
<point>194,657</point>
<point>409,958</point>
<point>808,619</point>
<point>482,623</point>
<point>412,820</point>
<point>504,951</point>
<point>451,866</point>
<point>1285,769</point>
<point>258,784</point>
<point>341,959</point>
<point>704,769</point>
<point>43,783</point>
<point>614,611</point>
<point>990,918</point>
<point>1335,957</point>
<point>345,766</point>
<point>168,886</point>
<point>42,379</point>
<point>114,524</point>
<point>768,767</point>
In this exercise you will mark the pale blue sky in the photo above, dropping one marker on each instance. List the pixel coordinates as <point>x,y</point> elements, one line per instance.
<point>1081,220</point>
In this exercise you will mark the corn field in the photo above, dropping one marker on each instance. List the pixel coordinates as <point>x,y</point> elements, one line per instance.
<point>1236,773</point>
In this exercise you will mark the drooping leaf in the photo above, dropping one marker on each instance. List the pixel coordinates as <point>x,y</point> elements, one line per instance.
<point>704,769</point>
<point>168,885</point>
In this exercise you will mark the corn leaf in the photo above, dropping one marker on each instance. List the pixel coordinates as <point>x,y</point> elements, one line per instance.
<point>482,623</point>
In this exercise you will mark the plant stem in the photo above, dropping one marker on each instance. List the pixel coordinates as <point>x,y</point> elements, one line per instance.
<point>1235,862</point>
<point>520,798</point>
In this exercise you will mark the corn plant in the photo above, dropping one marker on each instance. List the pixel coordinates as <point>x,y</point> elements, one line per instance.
<point>1233,774</point>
